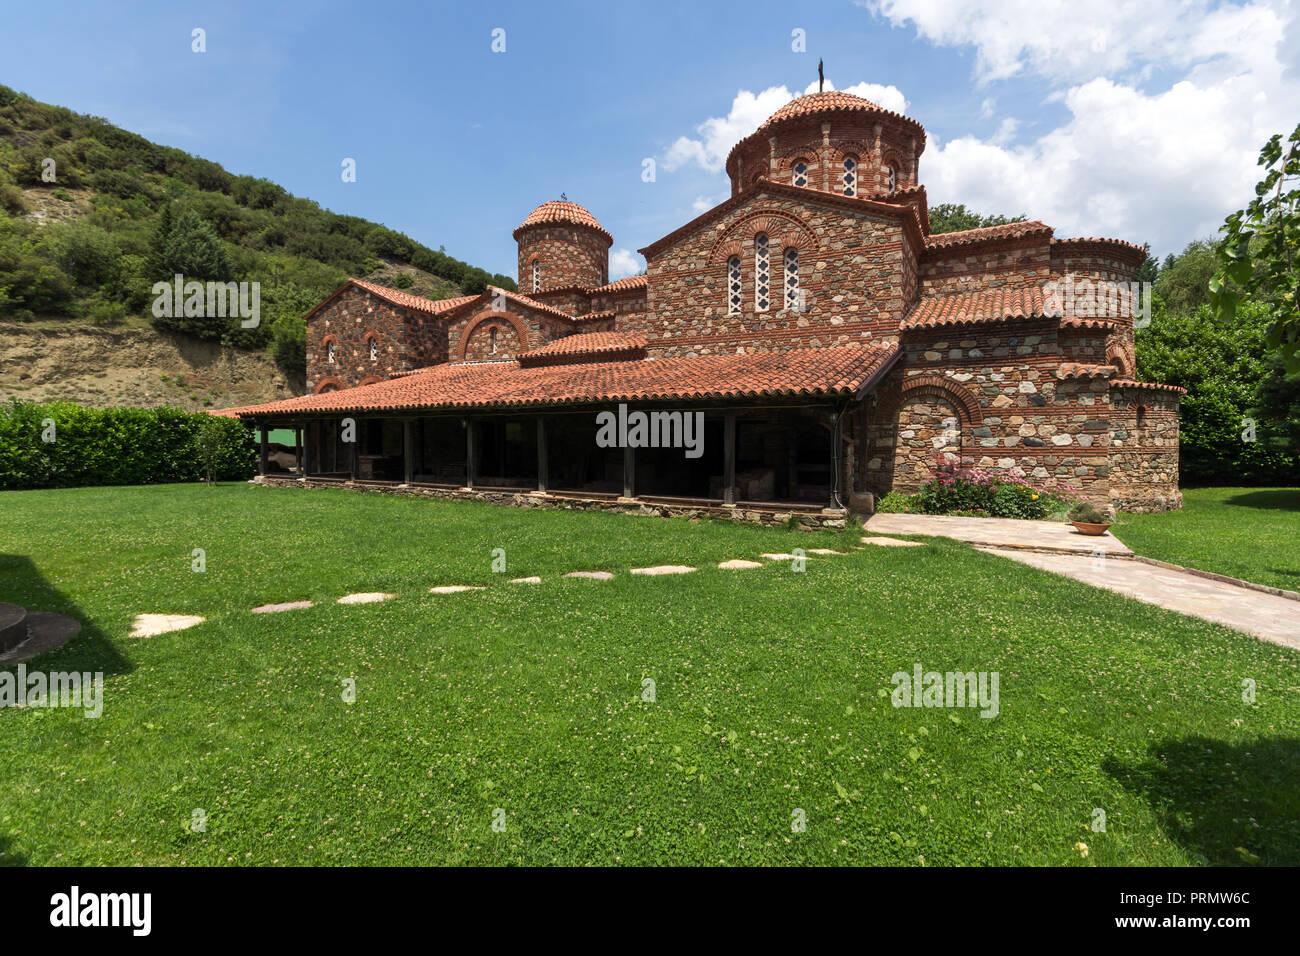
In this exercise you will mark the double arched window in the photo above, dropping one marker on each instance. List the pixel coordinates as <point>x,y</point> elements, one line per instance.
<point>537,275</point>
<point>799,175</point>
<point>850,178</point>
<point>762,273</point>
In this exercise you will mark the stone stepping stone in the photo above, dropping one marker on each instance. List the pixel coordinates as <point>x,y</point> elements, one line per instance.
<point>593,575</point>
<point>151,625</point>
<point>453,589</point>
<point>664,569</point>
<point>824,551</point>
<point>779,557</point>
<point>287,606</point>
<point>892,542</point>
<point>366,597</point>
<point>739,564</point>
<point>532,580</point>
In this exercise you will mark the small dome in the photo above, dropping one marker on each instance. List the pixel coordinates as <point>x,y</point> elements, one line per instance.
<point>558,211</point>
<point>814,103</point>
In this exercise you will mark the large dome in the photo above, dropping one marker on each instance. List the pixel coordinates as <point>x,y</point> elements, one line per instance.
<point>814,103</point>
<point>562,212</point>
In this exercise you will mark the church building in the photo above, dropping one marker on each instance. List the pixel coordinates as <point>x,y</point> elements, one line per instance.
<point>829,346</point>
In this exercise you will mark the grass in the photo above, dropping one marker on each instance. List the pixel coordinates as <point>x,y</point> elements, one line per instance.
<point>771,697</point>
<point>1247,533</point>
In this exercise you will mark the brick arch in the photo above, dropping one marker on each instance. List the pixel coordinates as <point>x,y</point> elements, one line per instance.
<point>783,230</point>
<point>330,383</point>
<point>962,398</point>
<point>509,318</point>
<point>1117,356</point>
<point>370,380</point>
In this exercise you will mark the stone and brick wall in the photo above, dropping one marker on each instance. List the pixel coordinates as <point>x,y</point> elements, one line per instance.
<point>571,257</point>
<point>851,271</point>
<point>1144,449</point>
<point>404,340</point>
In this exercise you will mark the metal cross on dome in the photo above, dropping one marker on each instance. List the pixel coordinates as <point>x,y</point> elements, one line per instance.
<point>821,77</point>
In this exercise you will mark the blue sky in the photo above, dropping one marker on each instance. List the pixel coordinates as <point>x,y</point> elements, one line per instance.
<point>1027,111</point>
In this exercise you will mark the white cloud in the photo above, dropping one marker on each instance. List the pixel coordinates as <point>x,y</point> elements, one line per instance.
<point>1072,41</point>
<point>1164,165</point>
<point>717,134</point>
<point>624,263</point>
<point>704,203</point>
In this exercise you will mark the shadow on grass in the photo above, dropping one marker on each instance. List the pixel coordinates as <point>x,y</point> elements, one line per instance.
<point>1213,797</point>
<point>89,650</point>
<point>8,855</point>
<point>1282,499</point>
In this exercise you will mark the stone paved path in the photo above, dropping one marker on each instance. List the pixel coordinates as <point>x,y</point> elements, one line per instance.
<point>1273,618</point>
<point>1000,533</point>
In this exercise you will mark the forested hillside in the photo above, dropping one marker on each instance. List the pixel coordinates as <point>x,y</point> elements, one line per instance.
<point>91,216</point>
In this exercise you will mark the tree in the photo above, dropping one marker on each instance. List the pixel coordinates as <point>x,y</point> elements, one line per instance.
<point>194,250</point>
<point>1184,282</point>
<point>1258,253</point>
<point>953,217</point>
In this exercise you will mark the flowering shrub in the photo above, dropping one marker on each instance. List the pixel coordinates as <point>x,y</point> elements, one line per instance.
<point>957,489</point>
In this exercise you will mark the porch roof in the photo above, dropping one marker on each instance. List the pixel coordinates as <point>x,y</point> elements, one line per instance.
<point>814,373</point>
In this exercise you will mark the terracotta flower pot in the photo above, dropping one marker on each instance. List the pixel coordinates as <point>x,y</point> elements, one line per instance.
<point>1088,527</point>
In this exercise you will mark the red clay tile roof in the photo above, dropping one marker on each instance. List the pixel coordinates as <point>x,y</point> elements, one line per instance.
<point>837,372</point>
<point>812,104</point>
<point>966,237</point>
<point>559,211</point>
<point>1125,250</point>
<point>622,285</point>
<point>586,347</point>
<point>1087,324</point>
<point>965,308</point>
<point>1130,383</point>
<point>527,301</point>
<point>593,316</point>
<point>408,301</point>
<point>1080,370</point>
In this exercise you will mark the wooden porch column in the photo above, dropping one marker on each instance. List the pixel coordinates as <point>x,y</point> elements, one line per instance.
<point>471,452</point>
<point>541,453</point>
<point>729,458</point>
<point>629,472</point>
<point>408,449</point>
<point>836,456</point>
<point>262,449</point>
<point>299,452</point>
<point>353,463</point>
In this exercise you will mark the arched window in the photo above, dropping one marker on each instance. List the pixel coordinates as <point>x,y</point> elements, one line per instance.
<point>733,285</point>
<point>329,352</point>
<point>800,176</point>
<point>492,338</point>
<point>537,276</point>
<point>374,349</point>
<point>762,273</point>
<point>850,176</point>
<point>792,298</point>
<point>891,179</point>
<point>331,387</point>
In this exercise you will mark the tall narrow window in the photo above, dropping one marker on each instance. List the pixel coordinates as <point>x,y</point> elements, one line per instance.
<point>891,179</point>
<point>492,337</point>
<point>537,276</point>
<point>800,177</point>
<point>850,177</point>
<point>762,273</point>
<point>329,353</point>
<point>733,285</point>
<point>792,298</point>
<point>374,351</point>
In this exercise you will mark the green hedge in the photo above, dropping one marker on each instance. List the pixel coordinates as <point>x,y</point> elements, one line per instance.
<point>116,446</point>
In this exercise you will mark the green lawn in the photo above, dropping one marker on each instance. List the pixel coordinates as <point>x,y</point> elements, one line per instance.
<point>1247,533</point>
<point>771,697</point>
